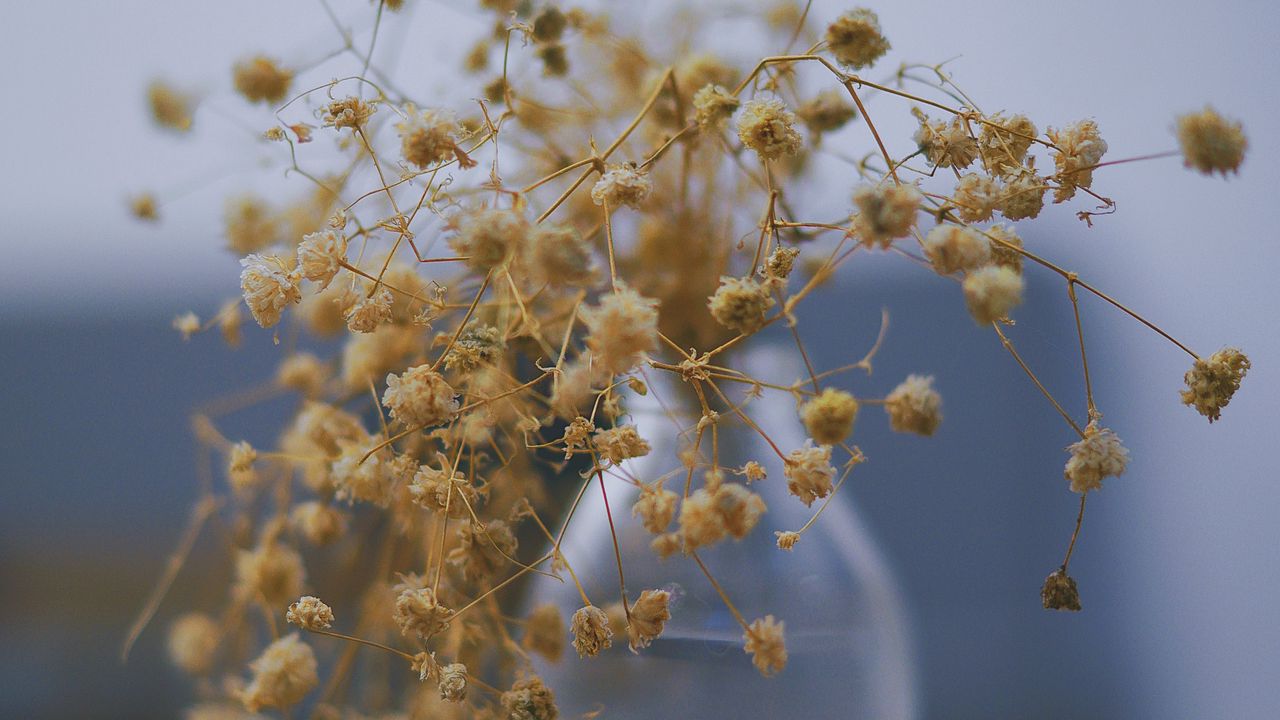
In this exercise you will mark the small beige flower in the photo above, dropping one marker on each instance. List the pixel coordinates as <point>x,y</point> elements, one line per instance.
<point>310,613</point>
<point>591,631</point>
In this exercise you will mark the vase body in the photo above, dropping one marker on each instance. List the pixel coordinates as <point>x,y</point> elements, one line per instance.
<point>846,632</point>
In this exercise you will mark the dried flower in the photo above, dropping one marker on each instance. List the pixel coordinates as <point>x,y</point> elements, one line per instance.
<point>787,539</point>
<point>304,373</point>
<point>319,523</point>
<point>417,610</point>
<point>310,613</point>
<point>1004,141</point>
<point>261,79</point>
<point>1212,382</point>
<point>829,416</point>
<point>433,489</point>
<point>620,443</point>
<point>453,682</point>
<point>914,406</point>
<point>623,184</point>
<point>370,311</point>
<point>707,516</point>
<point>529,699</point>
<point>269,287</point>
<point>544,632</point>
<point>321,255</point>
<point>1211,143</point>
<point>489,237</point>
<point>250,224</point>
<point>1023,195</point>
<point>655,507</point>
<point>713,106</point>
<point>1079,149</point>
<point>809,472</point>
<point>549,24</point>
<point>282,675</point>
<point>826,111</point>
<point>740,304</point>
<point>272,571</point>
<point>855,38</point>
<point>1098,455</point>
<point>885,213</point>
<point>240,466</point>
<point>591,631</point>
<point>763,641</point>
<point>560,256</point>
<point>187,324</point>
<point>946,144</point>
<point>780,262</point>
<point>1002,237</point>
<point>991,292</point>
<point>649,614</point>
<point>952,248</point>
<point>622,327</point>
<point>419,397</point>
<point>193,640</point>
<point>1059,592</point>
<point>349,112</point>
<point>430,137</point>
<point>768,127</point>
<point>170,107</point>
<point>976,197</point>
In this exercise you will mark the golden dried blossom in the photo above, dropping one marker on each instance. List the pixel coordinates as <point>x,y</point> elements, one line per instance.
<point>1004,141</point>
<point>560,256</point>
<point>431,136</point>
<point>764,642</point>
<point>1213,381</point>
<point>549,24</point>
<point>953,248</point>
<point>1079,149</point>
<point>321,255</point>
<point>530,699</point>
<point>787,539</point>
<point>187,324</point>
<point>1002,237</point>
<point>250,224</point>
<point>976,197</point>
<point>1023,195</point>
<point>809,472</point>
<point>282,675</point>
<point>914,406</point>
<point>621,328</point>
<point>477,345</point>
<point>1059,592</point>
<point>489,237</point>
<point>620,443</point>
<point>992,292</point>
<point>768,127</point>
<point>885,213</point>
<point>419,397</point>
<point>1096,456</point>
<point>170,107</point>
<point>827,111</point>
<point>740,304</point>
<point>855,38</point>
<point>481,550</point>
<point>433,489</point>
<point>453,682</point>
<point>1210,142</point>
<point>240,469</point>
<point>193,641</point>
<point>649,614</point>
<point>368,312</point>
<point>304,373</point>
<point>946,144</point>
<point>319,523</point>
<point>310,613</point>
<point>709,515</point>
<point>417,609</point>
<point>261,79</point>
<point>144,206</point>
<point>780,262</point>
<point>271,571</point>
<point>622,184</point>
<point>713,106</point>
<point>544,632</point>
<point>655,507</point>
<point>349,112</point>
<point>829,416</point>
<point>591,631</point>
<point>269,286</point>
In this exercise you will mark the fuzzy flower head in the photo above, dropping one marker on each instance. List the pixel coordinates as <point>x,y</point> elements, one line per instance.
<point>282,675</point>
<point>655,507</point>
<point>1059,592</point>
<point>453,682</point>
<point>649,614</point>
<point>193,640</point>
<point>709,515</point>
<point>433,489</point>
<point>591,631</point>
<point>1213,381</point>
<point>261,79</point>
<point>622,327</point>
<point>946,144</point>
<point>544,632</point>
<point>1003,241</point>
<point>349,112</point>
<point>320,256</point>
<point>419,397</point>
<point>369,312</point>
<point>620,443</point>
<point>1098,455</point>
<point>768,127</point>
<point>787,539</point>
<point>489,237</point>
<point>310,613</point>
<point>765,643</point>
<point>530,699</point>
<point>953,248</point>
<point>976,197</point>
<point>271,571</point>
<point>992,292</point>
<point>827,111</point>
<point>809,472</point>
<point>1004,142</point>
<point>430,137</point>
<point>914,406</point>
<point>885,213</point>
<point>740,304</point>
<point>240,470</point>
<point>417,609</point>
<point>1211,143</point>
<point>269,286</point>
<point>170,107</point>
<point>856,40</point>
<point>1022,197</point>
<point>1079,148</point>
<point>622,184</point>
<point>829,416</point>
<point>713,106</point>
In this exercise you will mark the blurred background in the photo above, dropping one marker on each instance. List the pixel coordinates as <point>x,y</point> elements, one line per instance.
<point>1177,562</point>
